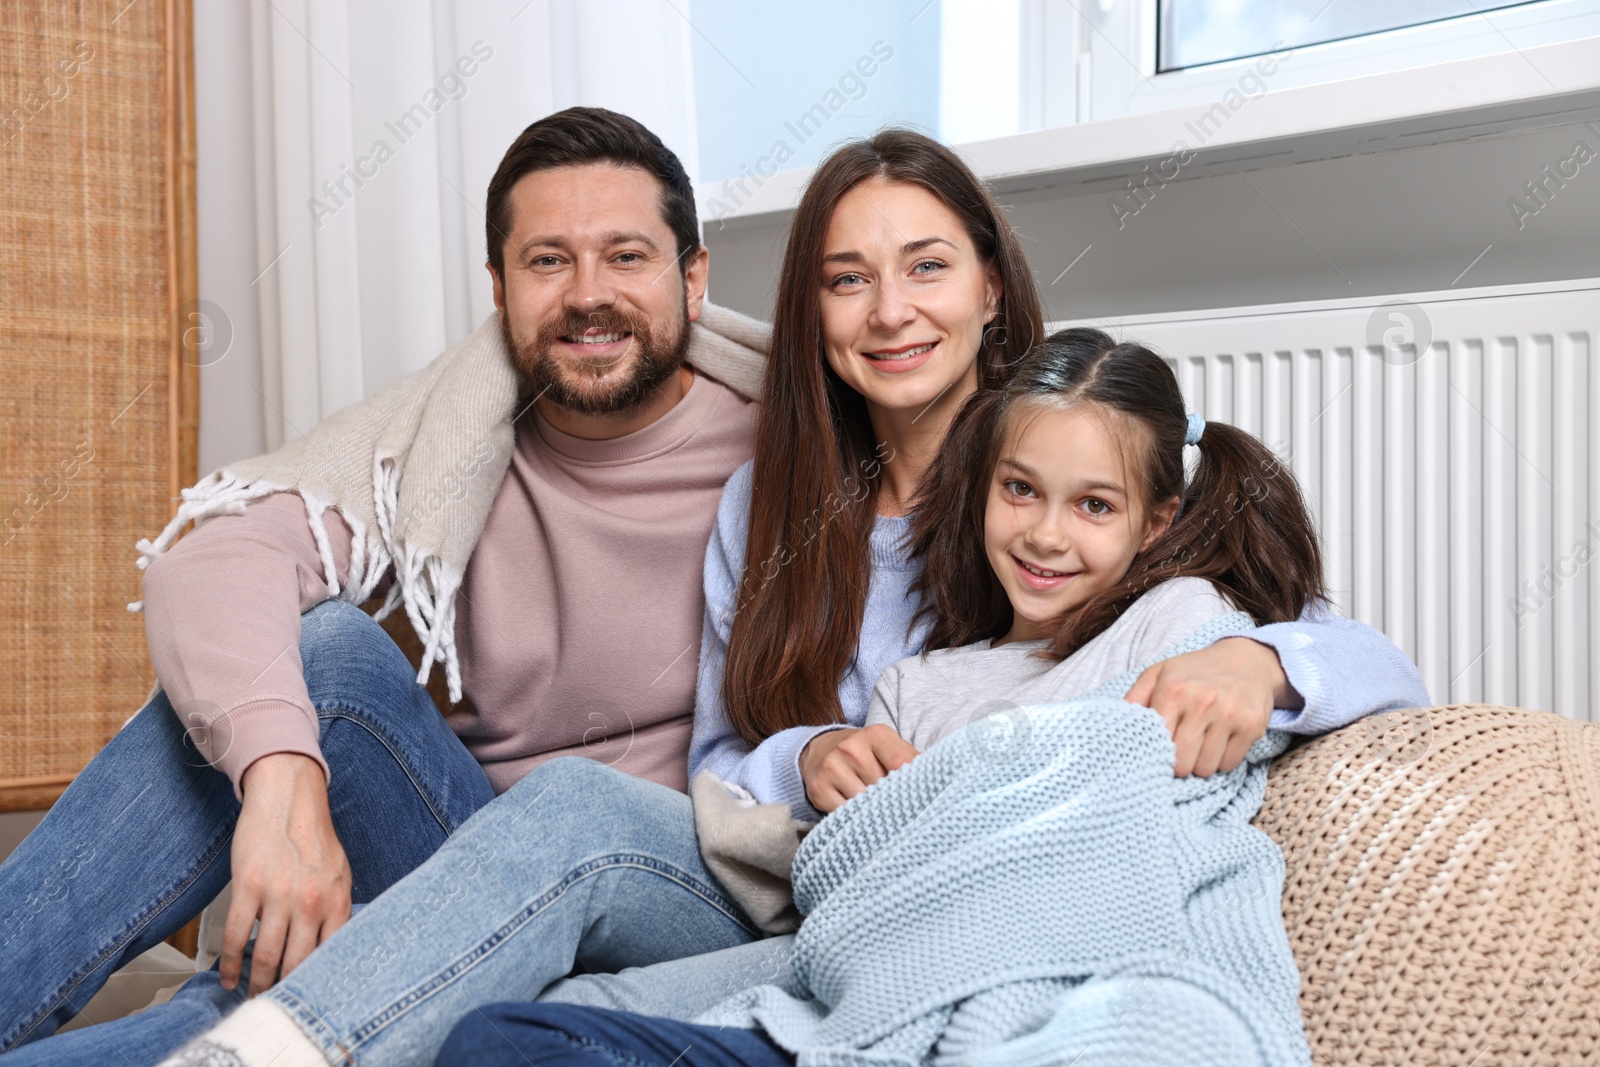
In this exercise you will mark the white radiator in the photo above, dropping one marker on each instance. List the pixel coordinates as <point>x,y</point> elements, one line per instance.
<point>1445,444</point>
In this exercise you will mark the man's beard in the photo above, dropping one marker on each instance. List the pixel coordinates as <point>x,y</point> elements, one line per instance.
<point>608,388</point>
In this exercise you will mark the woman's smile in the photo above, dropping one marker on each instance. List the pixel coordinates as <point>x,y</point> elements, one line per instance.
<point>903,358</point>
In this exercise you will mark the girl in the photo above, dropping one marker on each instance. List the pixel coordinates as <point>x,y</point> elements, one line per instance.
<point>903,292</point>
<point>1062,550</point>
<point>1084,560</point>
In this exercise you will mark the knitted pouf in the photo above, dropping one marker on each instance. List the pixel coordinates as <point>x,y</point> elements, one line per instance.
<point>1443,887</point>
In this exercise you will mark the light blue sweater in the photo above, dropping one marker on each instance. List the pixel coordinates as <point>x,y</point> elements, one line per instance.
<point>1343,669</point>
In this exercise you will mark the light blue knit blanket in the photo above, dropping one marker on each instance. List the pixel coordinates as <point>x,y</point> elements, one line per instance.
<point>1041,890</point>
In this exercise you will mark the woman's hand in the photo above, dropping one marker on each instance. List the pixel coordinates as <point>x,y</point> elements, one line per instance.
<point>1216,702</point>
<point>289,870</point>
<point>841,763</point>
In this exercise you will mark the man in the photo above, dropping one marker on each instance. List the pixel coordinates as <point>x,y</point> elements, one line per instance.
<point>575,625</point>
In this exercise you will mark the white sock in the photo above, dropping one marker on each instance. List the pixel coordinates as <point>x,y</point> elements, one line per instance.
<point>258,1034</point>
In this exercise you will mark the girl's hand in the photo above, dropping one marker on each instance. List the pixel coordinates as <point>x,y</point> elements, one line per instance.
<point>1216,702</point>
<point>841,763</point>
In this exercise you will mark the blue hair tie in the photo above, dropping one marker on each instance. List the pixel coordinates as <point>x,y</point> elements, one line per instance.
<point>1197,426</point>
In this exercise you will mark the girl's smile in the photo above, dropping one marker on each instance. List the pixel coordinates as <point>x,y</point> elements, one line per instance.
<point>1040,578</point>
<point>1063,521</point>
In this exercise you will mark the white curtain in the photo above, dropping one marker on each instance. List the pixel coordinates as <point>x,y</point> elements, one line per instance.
<point>344,150</point>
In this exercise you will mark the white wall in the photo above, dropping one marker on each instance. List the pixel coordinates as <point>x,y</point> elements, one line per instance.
<point>14,826</point>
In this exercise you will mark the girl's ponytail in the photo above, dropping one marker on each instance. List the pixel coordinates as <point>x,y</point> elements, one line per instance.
<point>1244,525</point>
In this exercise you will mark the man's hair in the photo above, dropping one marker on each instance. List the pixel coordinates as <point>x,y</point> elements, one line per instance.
<point>585,135</point>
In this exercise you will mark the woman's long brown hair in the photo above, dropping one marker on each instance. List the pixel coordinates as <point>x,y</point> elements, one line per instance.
<point>813,499</point>
<point>1242,523</point>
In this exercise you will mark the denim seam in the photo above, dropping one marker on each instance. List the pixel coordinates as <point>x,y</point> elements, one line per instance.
<point>484,948</point>
<point>589,1044</point>
<point>65,992</point>
<point>358,718</point>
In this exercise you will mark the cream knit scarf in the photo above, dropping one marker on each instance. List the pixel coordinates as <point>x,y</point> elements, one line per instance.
<point>414,469</point>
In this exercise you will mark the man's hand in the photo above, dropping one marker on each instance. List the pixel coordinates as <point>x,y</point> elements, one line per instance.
<point>289,870</point>
<point>1216,702</point>
<point>841,763</point>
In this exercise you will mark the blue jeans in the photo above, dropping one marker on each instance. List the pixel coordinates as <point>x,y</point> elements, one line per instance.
<point>578,866</point>
<point>682,988</point>
<point>139,843</point>
<point>558,1035</point>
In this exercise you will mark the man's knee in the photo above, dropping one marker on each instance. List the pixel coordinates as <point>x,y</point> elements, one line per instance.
<point>347,656</point>
<point>338,623</point>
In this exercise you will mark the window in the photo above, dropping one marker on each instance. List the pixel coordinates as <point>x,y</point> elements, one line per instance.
<point>1195,32</point>
<point>1164,55</point>
<point>778,86</point>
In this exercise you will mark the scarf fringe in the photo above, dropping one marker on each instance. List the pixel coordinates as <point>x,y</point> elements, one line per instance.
<point>429,593</point>
<point>220,493</point>
<point>423,583</point>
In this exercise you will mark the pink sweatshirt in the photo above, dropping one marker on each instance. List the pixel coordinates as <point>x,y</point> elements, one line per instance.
<point>578,620</point>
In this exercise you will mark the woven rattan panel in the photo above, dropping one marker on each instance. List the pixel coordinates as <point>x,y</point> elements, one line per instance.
<point>91,394</point>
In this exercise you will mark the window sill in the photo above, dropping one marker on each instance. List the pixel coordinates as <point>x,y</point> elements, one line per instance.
<point>1461,100</point>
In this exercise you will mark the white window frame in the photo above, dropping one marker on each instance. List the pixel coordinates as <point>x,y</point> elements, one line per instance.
<point>1090,60</point>
<point>1338,92</point>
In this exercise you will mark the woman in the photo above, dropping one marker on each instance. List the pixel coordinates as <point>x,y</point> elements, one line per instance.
<point>902,271</point>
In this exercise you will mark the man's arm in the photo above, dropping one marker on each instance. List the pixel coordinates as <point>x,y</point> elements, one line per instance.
<point>222,616</point>
<point>289,871</point>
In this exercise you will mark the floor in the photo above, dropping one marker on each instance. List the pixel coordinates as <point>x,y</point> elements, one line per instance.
<point>14,826</point>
